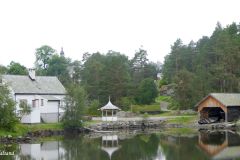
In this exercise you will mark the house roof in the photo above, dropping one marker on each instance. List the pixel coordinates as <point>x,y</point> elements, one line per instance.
<point>227,99</point>
<point>42,85</point>
<point>109,106</point>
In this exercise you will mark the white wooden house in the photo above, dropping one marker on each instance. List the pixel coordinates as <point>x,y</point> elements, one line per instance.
<point>45,95</point>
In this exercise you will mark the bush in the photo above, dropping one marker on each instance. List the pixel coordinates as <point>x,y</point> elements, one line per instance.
<point>125,103</point>
<point>93,108</point>
<point>8,118</point>
<point>75,107</point>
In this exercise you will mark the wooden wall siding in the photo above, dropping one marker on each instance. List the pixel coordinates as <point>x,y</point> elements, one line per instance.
<point>203,114</point>
<point>211,102</point>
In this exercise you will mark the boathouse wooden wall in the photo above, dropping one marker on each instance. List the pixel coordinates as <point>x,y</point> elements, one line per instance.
<point>211,102</point>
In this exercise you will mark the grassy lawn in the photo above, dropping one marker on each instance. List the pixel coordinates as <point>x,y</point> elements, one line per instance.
<point>163,98</point>
<point>183,120</point>
<point>145,108</point>
<point>89,123</point>
<point>22,129</point>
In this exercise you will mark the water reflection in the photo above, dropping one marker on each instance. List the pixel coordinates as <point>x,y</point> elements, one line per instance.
<point>48,150</point>
<point>220,145</point>
<point>110,144</point>
<point>206,145</point>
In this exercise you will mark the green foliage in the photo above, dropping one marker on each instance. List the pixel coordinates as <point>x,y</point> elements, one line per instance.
<point>105,75</point>
<point>209,65</point>
<point>25,108</point>
<point>8,118</point>
<point>3,69</point>
<point>58,66</point>
<point>75,107</point>
<point>43,55</point>
<point>17,69</point>
<point>145,108</point>
<point>125,103</point>
<point>93,108</point>
<point>147,92</point>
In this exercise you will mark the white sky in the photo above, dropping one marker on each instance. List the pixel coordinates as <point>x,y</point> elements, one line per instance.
<point>101,25</point>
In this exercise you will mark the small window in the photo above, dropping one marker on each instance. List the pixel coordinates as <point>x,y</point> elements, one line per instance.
<point>33,103</point>
<point>42,102</point>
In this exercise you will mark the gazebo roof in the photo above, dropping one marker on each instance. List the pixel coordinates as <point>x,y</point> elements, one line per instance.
<point>109,106</point>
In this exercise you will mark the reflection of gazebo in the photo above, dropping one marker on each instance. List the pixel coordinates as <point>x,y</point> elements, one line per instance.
<point>110,144</point>
<point>220,145</point>
<point>109,112</point>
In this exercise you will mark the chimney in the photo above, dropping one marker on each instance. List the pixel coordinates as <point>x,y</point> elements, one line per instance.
<point>31,74</point>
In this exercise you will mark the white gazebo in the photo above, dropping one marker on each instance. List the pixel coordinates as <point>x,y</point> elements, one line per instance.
<point>109,112</point>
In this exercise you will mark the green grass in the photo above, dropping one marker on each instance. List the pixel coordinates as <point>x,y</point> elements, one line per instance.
<point>89,123</point>
<point>22,129</point>
<point>163,98</point>
<point>183,120</point>
<point>145,108</point>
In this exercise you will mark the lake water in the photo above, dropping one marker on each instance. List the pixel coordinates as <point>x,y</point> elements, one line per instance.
<point>204,145</point>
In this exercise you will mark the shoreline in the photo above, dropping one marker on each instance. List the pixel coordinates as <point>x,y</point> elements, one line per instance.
<point>107,127</point>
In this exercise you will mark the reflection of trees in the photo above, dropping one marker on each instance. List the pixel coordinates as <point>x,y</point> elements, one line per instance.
<point>140,147</point>
<point>181,148</point>
<point>215,138</point>
<point>82,148</point>
<point>8,148</point>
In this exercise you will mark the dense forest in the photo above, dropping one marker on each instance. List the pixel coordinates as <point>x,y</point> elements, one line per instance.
<point>196,69</point>
<point>127,81</point>
<point>209,65</point>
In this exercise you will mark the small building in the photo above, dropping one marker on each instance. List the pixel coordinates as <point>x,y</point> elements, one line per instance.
<point>109,112</point>
<point>44,94</point>
<point>220,106</point>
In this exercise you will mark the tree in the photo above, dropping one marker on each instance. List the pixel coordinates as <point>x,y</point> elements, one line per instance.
<point>92,75</point>
<point>3,69</point>
<point>138,64</point>
<point>8,118</point>
<point>75,107</point>
<point>209,65</point>
<point>58,66</point>
<point>43,55</point>
<point>17,69</point>
<point>147,91</point>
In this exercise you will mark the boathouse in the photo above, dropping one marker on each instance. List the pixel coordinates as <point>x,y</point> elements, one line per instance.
<point>219,107</point>
<point>109,112</point>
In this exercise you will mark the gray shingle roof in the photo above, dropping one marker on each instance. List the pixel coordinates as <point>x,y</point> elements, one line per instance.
<point>42,84</point>
<point>227,99</point>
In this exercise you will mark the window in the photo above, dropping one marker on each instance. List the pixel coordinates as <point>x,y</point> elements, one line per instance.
<point>42,102</point>
<point>33,103</point>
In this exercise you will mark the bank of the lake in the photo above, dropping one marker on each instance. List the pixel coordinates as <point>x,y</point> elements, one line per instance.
<point>171,124</point>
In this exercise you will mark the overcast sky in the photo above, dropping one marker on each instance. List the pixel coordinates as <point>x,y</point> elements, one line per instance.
<point>100,25</point>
